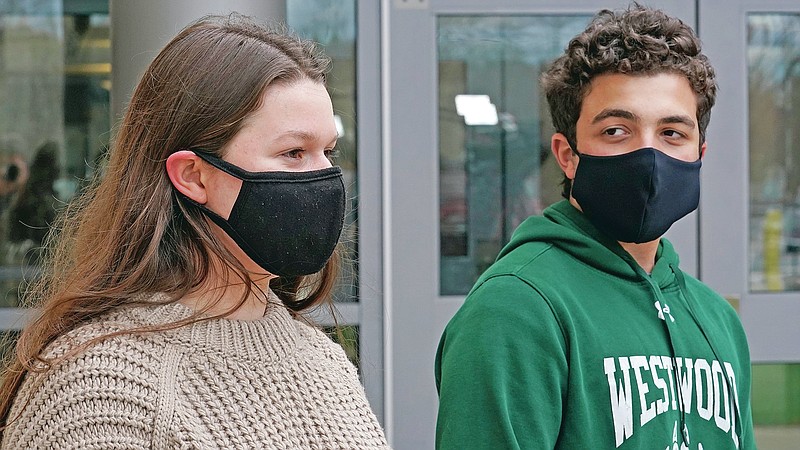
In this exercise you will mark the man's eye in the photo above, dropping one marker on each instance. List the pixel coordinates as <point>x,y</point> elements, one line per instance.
<point>613,131</point>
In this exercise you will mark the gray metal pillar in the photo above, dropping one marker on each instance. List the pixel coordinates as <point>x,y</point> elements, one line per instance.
<point>140,28</point>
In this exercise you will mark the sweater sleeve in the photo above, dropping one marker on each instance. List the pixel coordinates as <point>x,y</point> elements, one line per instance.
<point>501,371</point>
<point>96,401</point>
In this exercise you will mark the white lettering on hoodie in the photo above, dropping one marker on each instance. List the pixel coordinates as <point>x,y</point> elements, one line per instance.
<point>655,381</point>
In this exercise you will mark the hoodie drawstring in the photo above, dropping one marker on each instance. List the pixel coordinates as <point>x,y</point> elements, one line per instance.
<point>689,298</point>
<point>684,432</point>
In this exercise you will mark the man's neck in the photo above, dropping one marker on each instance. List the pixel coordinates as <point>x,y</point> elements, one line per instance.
<point>644,254</point>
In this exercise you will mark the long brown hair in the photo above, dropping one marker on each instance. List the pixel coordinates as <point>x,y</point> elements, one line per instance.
<point>128,235</point>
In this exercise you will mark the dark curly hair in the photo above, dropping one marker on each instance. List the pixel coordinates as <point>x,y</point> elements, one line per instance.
<point>637,41</point>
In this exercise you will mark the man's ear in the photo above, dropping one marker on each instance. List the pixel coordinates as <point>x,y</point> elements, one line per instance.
<point>703,150</point>
<point>184,171</point>
<point>565,157</point>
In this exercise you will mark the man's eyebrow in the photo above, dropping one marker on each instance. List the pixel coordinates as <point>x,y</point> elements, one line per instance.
<point>686,120</point>
<point>625,114</point>
<point>619,113</point>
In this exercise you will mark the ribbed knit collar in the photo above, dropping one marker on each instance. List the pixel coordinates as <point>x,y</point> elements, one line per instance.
<point>269,339</point>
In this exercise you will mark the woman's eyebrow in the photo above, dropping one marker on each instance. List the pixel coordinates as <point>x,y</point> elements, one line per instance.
<point>303,136</point>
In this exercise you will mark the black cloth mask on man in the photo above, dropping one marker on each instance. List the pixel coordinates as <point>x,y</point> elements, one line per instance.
<point>636,196</point>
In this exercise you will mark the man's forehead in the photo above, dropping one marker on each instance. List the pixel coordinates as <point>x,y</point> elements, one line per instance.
<point>630,97</point>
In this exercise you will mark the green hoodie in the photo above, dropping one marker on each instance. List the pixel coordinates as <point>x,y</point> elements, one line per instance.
<point>566,342</point>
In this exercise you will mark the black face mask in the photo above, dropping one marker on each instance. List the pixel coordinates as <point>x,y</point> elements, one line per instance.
<point>636,196</point>
<point>287,222</point>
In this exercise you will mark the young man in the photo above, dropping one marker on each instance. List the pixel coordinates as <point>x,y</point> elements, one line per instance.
<point>585,333</point>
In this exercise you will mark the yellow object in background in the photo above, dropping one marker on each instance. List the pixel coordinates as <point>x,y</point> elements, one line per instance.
<point>773,228</point>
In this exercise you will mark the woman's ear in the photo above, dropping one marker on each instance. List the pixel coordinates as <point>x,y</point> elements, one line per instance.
<point>184,171</point>
<point>564,154</point>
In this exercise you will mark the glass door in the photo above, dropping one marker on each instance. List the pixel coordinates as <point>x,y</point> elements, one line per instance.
<point>750,216</point>
<point>55,79</point>
<point>466,158</point>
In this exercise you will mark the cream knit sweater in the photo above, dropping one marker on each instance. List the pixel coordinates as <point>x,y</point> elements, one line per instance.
<point>273,383</point>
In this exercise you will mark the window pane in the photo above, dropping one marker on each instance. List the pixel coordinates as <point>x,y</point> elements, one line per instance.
<point>495,165</point>
<point>332,23</point>
<point>55,67</point>
<point>773,58</point>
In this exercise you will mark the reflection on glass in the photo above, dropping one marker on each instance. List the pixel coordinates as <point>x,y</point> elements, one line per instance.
<point>332,23</point>
<point>495,166</point>
<point>773,58</point>
<point>55,70</point>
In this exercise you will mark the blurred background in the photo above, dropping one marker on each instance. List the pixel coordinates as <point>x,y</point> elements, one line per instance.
<point>444,136</point>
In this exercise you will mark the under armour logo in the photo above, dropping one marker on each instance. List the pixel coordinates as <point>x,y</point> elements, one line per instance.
<point>662,311</point>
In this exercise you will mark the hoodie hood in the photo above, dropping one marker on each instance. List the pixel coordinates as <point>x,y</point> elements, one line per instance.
<point>566,228</point>
<point>568,318</point>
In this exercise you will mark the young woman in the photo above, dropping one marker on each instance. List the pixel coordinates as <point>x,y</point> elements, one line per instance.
<point>169,314</point>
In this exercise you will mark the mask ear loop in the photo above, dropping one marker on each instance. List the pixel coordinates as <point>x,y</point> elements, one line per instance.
<point>225,166</point>
<point>574,147</point>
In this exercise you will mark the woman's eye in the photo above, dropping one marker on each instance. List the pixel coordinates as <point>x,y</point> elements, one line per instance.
<point>294,154</point>
<point>332,154</point>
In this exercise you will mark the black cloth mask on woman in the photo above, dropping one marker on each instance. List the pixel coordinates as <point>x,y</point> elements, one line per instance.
<point>636,196</point>
<point>287,222</point>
